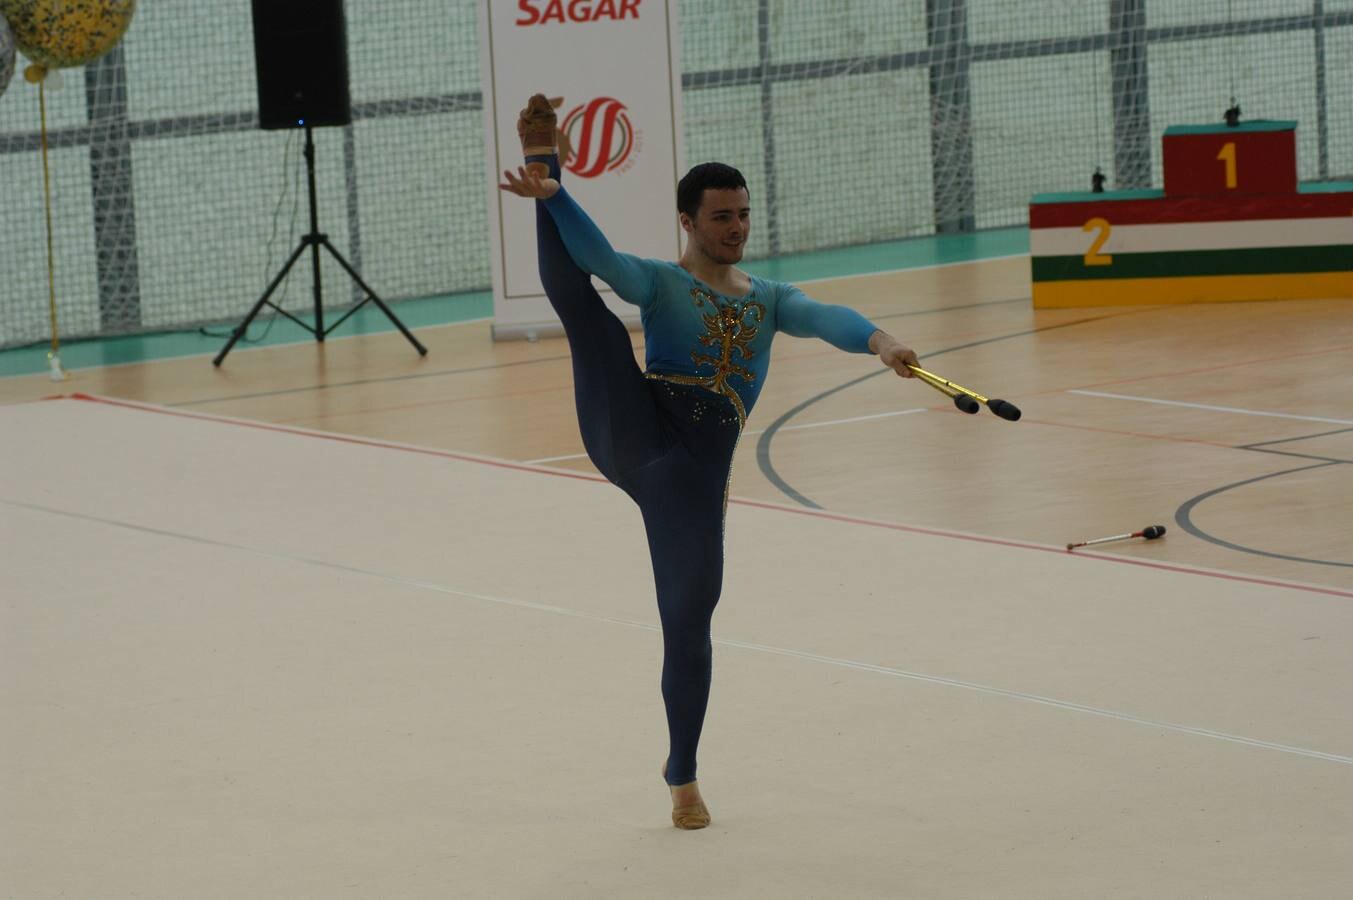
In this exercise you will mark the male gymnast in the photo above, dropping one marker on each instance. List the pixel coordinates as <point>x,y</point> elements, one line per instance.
<point>666,435</point>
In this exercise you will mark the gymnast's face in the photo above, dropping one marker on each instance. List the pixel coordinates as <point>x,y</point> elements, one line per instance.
<point>719,229</point>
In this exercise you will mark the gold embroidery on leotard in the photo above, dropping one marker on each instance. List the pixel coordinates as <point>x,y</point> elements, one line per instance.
<point>728,328</point>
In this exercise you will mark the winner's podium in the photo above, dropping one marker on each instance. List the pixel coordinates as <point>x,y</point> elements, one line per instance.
<point>1232,223</point>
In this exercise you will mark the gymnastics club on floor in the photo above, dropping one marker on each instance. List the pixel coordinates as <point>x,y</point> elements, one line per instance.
<point>1150,533</point>
<point>965,399</point>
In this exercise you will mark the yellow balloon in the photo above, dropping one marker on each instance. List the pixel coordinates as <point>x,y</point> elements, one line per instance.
<point>59,34</point>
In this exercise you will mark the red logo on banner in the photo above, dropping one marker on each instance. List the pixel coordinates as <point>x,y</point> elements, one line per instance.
<point>602,137</point>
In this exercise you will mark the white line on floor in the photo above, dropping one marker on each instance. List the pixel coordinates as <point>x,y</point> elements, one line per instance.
<point>899,412</point>
<point>1230,409</point>
<point>726,642</point>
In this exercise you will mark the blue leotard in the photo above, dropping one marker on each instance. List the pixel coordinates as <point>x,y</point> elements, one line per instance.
<point>716,342</point>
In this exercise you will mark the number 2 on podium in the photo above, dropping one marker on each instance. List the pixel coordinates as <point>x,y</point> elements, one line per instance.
<point>1228,155</point>
<point>1092,256</point>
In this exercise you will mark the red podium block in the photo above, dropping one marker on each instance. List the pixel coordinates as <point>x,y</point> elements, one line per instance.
<point>1258,157</point>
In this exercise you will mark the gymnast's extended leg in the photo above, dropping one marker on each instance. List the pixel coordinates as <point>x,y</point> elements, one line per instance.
<point>616,414</point>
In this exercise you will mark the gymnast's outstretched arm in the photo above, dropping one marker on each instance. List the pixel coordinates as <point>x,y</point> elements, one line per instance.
<point>842,327</point>
<point>631,277</point>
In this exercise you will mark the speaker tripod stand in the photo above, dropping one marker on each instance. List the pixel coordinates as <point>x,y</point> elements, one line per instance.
<point>314,240</point>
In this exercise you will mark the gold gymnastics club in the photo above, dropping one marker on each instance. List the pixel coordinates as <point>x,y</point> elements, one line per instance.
<point>962,401</point>
<point>967,400</point>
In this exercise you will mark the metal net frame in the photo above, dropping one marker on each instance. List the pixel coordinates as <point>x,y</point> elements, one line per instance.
<point>855,121</point>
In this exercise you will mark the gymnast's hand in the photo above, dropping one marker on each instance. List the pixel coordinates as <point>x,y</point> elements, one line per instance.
<point>527,183</point>
<point>893,353</point>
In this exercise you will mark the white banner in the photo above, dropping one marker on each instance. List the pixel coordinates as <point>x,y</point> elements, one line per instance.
<point>616,64</point>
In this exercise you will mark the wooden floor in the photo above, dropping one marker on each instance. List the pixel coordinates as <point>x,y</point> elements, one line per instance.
<point>247,655</point>
<point>1231,424</point>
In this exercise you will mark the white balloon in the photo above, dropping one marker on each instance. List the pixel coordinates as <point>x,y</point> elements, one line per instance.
<point>7,54</point>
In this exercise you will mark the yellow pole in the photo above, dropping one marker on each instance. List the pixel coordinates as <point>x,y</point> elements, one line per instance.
<point>54,357</point>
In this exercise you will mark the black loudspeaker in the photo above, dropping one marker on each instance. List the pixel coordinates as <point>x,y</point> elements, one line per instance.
<point>301,53</point>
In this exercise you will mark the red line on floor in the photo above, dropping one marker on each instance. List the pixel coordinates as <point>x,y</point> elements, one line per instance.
<point>1047,549</point>
<point>812,513</point>
<point>343,439</point>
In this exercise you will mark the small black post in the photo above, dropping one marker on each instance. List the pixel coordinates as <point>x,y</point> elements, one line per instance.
<point>314,229</point>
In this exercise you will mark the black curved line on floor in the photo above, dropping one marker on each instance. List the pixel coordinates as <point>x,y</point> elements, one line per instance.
<point>1329,459</point>
<point>361,381</point>
<point>1183,518</point>
<point>763,443</point>
<point>940,309</point>
<point>1302,437</point>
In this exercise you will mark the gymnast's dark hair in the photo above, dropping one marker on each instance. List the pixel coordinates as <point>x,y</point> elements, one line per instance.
<point>714,175</point>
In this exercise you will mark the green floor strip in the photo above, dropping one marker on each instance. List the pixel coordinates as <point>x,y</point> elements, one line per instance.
<point>445,310</point>
<point>92,352</point>
<point>1184,263</point>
